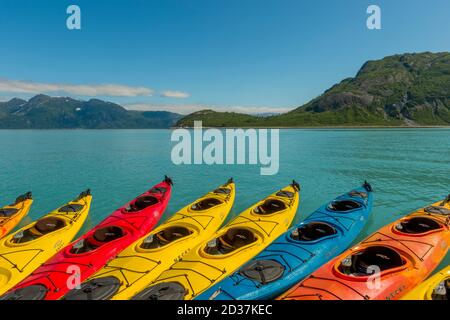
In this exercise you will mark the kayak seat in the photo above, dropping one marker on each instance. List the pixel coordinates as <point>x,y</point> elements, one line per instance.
<point>83,246</point>
<point>285,194</point>
<point>75,207</point>
<point>383,257</point>
<point>50,224</point>
<point>313,231</point>
<point>418,225</point>
<point>205,204</point>
<point>141,203</point>
<point>343,205</point>
<point>263,271</point>
<point>437,210</point>
<point>7,212</point>
<point>270,206</point>
<point>162,291</point>
<point>222,191</point>
<point>165,237</point>
<point>232,240</point>
<point>108,234</point>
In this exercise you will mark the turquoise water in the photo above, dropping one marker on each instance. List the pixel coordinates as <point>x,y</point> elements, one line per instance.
<point>408,168</point>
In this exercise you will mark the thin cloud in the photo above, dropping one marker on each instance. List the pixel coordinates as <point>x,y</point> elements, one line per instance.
<point>111,90</point>
<point>175,94</point>
<point>190,108</point>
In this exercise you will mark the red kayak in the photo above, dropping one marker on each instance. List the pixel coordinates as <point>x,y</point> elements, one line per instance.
<point>86,255</point>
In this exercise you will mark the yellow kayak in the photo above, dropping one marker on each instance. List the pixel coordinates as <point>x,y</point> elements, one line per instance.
<point>26,249</point>
<point>11,215</point>
<point>142,262</point>
<point>436,287</point>
<point>228,249</point>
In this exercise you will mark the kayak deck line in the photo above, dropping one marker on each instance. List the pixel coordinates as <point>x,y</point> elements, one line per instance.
<point>401,242</point>
<point>337,219</point>
<point>15,265</point>
<point>437,287</point>
<point>365,297</point>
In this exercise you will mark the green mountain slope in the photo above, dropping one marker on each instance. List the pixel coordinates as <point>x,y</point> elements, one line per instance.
<point>399,90</point>
<point>44,112</point>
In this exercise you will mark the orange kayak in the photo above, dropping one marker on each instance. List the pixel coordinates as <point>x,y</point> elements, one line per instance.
<point>387,264</point>
<point>11,215</point>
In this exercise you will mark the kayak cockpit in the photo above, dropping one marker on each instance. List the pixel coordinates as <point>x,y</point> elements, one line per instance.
<point>418,226</point>
<point>285,194</point>
<point>158,190</point>
<point>141,203</point>
<point>162,291</point>
<point>230,241</point>
<point>343,206</point>
<point>222,190</point>
<point>442,290</point>
<point>42,227</point>
<point>71,207</point>
<point>437,210</point>
<point>313,231</point>
<point>8,212</point>
<point>99,238</point>
<point>165,237</point>
<point>358,194</point>
<point>374,259</point>
<point>205,204</point>
<point>270,206</point>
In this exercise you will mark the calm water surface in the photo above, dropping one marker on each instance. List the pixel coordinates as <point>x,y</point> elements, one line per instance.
<point>408,168</point>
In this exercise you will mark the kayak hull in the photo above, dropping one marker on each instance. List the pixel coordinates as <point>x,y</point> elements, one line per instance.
<point>425,290</point>
<point>405,256</point>
<point>297,258</point>
<point>210,262</point>
<point>18,260</point>
<point>16,212</point>
<point>71,266</point>
<point>142,262</point>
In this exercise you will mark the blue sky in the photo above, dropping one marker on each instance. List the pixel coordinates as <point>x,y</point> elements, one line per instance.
<point>183,55</point>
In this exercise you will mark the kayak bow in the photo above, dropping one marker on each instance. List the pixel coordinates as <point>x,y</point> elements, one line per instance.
<point>11,215</point>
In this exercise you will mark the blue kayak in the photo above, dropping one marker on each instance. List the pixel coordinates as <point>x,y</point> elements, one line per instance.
<point>301,250</point>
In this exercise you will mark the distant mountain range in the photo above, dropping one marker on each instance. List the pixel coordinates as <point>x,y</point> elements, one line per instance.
<point>399,90</point>
<point>44,112</point>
